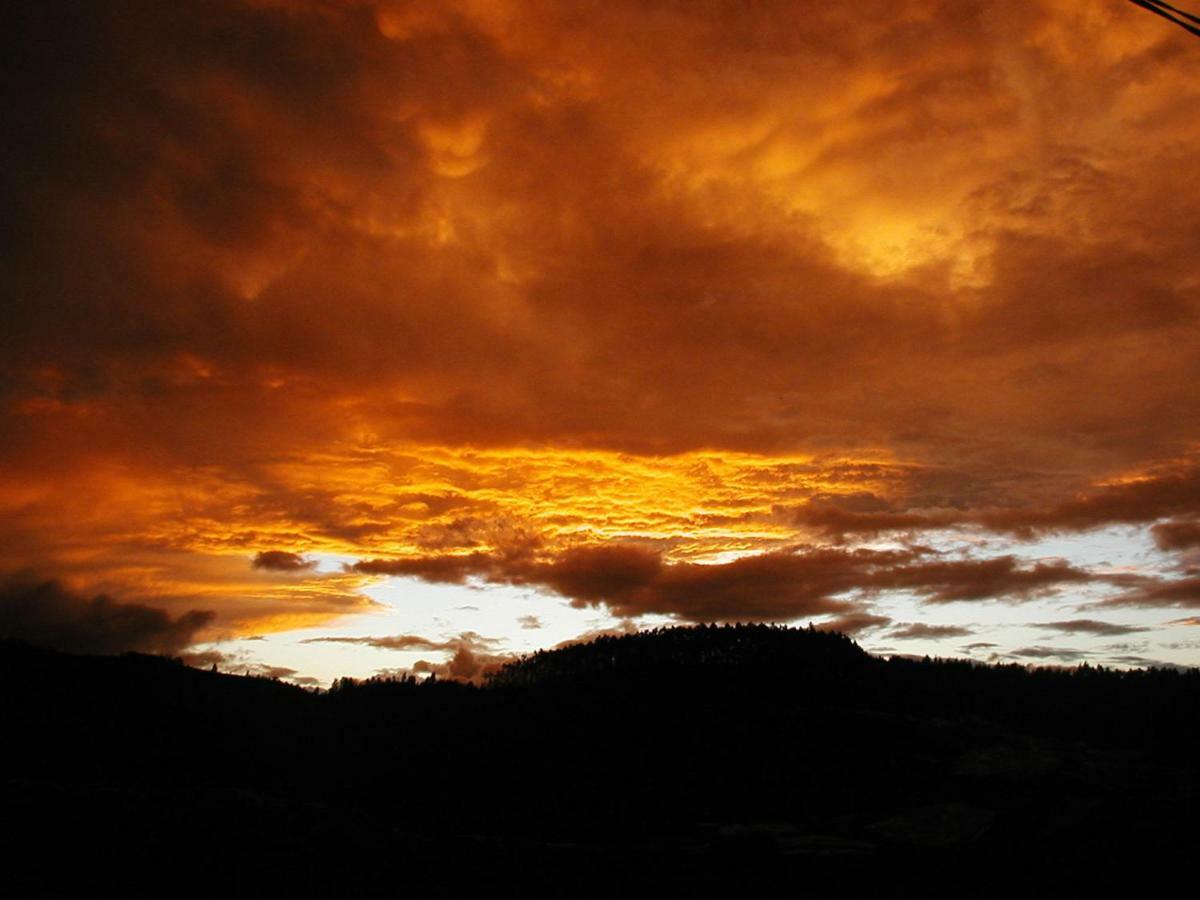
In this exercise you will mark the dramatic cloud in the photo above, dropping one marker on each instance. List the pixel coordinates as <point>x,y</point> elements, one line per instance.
<point>634,580</point>
<point>281,561</point>
<point>1140,500</point>
<point>1177,535</point>
<point>1002,577</point>
<point>49,615</point>
<point>620,302</point>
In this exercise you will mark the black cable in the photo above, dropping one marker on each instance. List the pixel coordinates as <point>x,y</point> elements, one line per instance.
<point>1161,9</point>
<point>1176,10</point>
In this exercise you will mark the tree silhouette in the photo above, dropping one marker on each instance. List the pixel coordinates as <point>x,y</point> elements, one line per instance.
<point>790,746</point>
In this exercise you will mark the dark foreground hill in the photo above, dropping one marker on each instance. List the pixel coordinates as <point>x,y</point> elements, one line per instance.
<point>686,759</point>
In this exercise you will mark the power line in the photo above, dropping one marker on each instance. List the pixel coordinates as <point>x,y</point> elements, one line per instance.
<point>1172,14</point>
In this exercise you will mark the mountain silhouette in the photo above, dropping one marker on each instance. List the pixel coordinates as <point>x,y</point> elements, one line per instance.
<point>684,757</point>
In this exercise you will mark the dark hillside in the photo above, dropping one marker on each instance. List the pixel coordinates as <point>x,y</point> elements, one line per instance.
<point>697,752</point>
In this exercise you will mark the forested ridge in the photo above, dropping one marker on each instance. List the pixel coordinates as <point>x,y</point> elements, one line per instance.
<point>659,751</point>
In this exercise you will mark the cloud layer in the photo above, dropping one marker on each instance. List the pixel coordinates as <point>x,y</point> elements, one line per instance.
<point>47,614</point>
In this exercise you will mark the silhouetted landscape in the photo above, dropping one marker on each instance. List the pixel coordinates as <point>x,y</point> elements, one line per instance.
<point>454,344</point>
<point>686,756</point>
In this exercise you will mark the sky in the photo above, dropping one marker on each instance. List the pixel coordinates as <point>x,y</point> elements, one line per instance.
<point>355,338</point>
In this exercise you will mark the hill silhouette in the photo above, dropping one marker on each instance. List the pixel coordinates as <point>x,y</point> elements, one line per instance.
<point>686,754</point>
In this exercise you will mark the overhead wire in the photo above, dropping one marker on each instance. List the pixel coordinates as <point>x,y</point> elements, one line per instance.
<point>1174,14</point>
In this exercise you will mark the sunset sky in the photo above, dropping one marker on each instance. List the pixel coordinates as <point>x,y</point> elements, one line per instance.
<point>355,337</point>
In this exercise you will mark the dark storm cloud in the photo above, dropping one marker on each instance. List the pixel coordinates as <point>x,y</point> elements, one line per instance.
<point>48,614</point>
<point>838,521</point>
<point>1000,577</point>
<point>263,252</point>
<point>632,579</point>
<point>282,561</point>
<point>1178,535</point>
<point>209,150</point>
<point>436,569</point>
<point>1158,495</point>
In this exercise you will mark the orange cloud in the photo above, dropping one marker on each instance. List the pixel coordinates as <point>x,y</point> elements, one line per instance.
<point>446,283</point>
<point>780,585</point>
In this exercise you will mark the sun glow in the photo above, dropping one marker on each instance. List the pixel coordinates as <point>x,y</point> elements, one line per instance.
<point>330,509</point>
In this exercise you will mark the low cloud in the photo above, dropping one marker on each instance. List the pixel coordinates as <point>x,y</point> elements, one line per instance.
<point>1137,502</point>
<point>1172,592</point>
<point>922,631</point>
<point>1090,626</point>
<point>1182,535</point>
<point>282,561</point>
<point>237,664</point>
<point>1133,502</point>
<point>624,627</point>
<point>1066,655</point>
<point>436,569</point>
<point>48,614</point>
<point>855,623</point>
<point>467,663</point>
<point>633,579</point>
<point>471,656</point>
<point>388,642</point>
<point>981,579</point>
